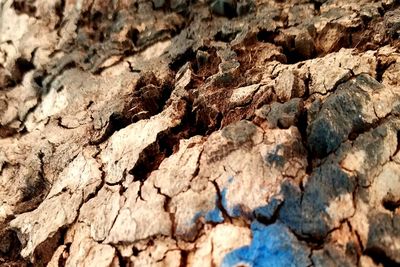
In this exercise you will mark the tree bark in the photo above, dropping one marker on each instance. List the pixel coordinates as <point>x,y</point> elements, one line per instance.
<point>199,133</point>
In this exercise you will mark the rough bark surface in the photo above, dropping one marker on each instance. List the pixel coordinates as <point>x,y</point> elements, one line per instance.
<point>194,133</point>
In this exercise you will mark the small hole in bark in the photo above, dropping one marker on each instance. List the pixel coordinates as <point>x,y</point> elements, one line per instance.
<point>24,65</point>
<point>266,36</point>
<point>133,35</point>
<point>317,6</point>
<point>390,204</point>
<point>96,17</point>
<point>292,56</point>
<point>135,251</point>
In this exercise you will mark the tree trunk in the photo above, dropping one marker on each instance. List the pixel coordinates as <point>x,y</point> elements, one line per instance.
<point>195,133</point>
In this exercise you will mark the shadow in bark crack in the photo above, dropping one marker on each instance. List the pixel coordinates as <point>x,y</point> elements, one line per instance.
<point>340,117</point>
<point>147,99</point>
<point>44,252</point>
<point>309,213</point>
<point>10,247</point>
<point>25,6</point>
<point>384,229</point>
<point>194,122</point>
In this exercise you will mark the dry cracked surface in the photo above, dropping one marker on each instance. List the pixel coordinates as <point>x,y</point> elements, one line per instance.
<point>199,133</point>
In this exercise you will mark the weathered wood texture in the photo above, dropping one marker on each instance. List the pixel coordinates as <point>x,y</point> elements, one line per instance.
<point>192,133</point>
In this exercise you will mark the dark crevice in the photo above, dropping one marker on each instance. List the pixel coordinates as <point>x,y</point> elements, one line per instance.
<point>15,74</point>
<point>63,260</point>
<point>219,203</point>
<point>184,258</point>
<point>151,157</point>
<point>98,70</point>
<point>99,187</point>
<point>358,238</point>
<point>317,6</point>
<point>302,125</point>
<point>267,220</point>
<point>381,68</point>
<point>132,69</point>
<point>59,9</point>
<point>10,247</point>
<point>292,56</point>
<point>44,79</point>
<point>45,250</point>
<point>36,187</point>
<point>391,204</point>
<point>168,141</point>
<point>23,65</point>
<point>167,209</point>
<point>139,194</point>
<point>148,99</point>
<point>367,127</point>
<point>121,260</point>
<point>151,95</point>
<point>23,130</point>
<point>307,83</point>
<point>343,80</point>
<point>204,64</point>
<point>133,35</point>
<point>116,122</point>
<point>171,214</point>
<point>135,251</point>
<point>267,36</point>
<point>312,242</point>
<point>59,123</point>
<point>398,143</point>
<point>379,256</point>
<point>6,131</point>
<point>38,78</point>
<point>225,37</point>
<point>181,59</point>
<point>25,6</point>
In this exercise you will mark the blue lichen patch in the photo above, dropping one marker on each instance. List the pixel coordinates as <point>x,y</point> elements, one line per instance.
<point>214,215</point>
<point>272,245</point>
<point>266,213</point>
<point>235,211</point>
<point>276,158</point>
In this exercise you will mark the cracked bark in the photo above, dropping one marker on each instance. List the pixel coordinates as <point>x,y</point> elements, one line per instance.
<point>217,133</point>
